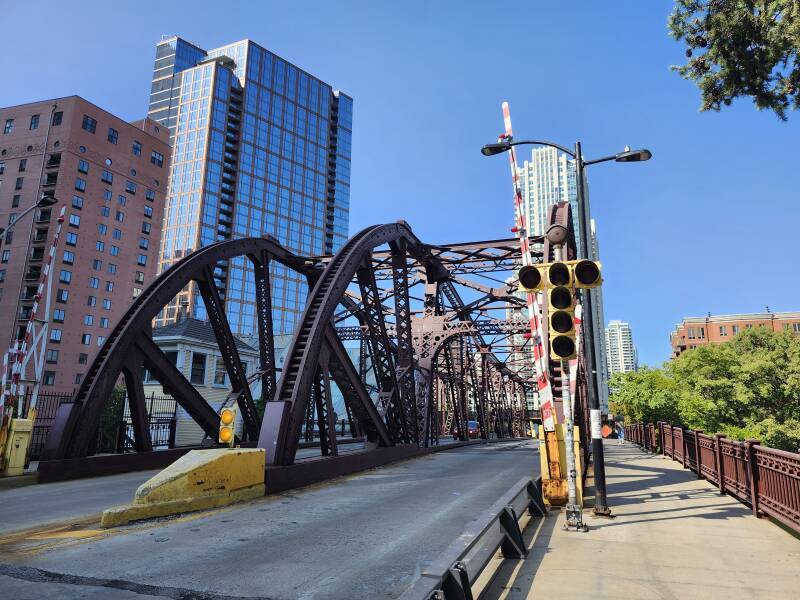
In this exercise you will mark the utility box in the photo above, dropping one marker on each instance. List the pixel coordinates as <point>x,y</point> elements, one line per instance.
<point>19,437</point>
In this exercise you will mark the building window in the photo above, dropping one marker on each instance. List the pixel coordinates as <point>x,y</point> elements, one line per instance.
<point>18,183</point>
<point>83,358</point>
<point>734,329</point>
<point>34,122</point>
<point>80,184</point>
<point>139,278</point>
<point>106,304</point>
<point>122,200</point>
<point>120,216</point>
<point>9,127</point>
<point>97,264</point>
<point>114,250</point>
<point>146,227</point>
<point>104,211</point>
<point>15,201</point>
<point>94,283</point>
<point>136,291</point>
<point>796,327</point>
<point>102,229</point>
<point>104,322</point>
<point>89,124</point>
<point>23,164</point>
<point>99,246</point>
<point>57,118</point>
<point>55,336</point>
<point>723,330</point>
<point>83,166</point>
<point>65,276</point>
<point>112,268</point>
<point>220,372</point>
<point>141,259</point>
<point>100,340</point>
<point>144,243</point>
<point>51,357</point>
<point>136,148</point>
<point>198,373</point>
<point>68,258</point>
<point>71,238</point>
<point>2,275</point>
<point>156,158</point>
<point>62,295</point>
<point>113,135</point>
<point>2,167</point>
<point>59,315</point>
<point>107,177</point>
<point>49,378</point>
<point>77,202</point>
<point>6,256</point>
<point>130,187</point>
<point>86,339</point>
<point>107,195</point>
<point>78,378</point>
<point>149,195</point>
<point>91,301</point>
<point>88,320</point>
<point>74,220</point>
<point>117,235</point>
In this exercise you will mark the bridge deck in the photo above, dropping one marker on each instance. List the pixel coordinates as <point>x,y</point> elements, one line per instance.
<point>674,536</point>
<point>362,536</point>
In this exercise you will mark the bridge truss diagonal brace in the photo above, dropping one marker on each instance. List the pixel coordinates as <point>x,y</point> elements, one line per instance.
<point>230,353</point>
<point>266,346</point>
<point>173,381</point>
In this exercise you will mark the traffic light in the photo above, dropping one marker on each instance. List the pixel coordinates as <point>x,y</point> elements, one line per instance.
<point>531,278</point>
<point>227,422</point>
<point>559,273</point>
<point>560,316</point>
<point>586,274</point>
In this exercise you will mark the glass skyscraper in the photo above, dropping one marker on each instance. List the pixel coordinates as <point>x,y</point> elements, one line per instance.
<point>260,147</point>
<point>548,178</point>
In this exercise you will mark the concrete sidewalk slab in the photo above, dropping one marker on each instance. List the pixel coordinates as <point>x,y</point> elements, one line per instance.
<point>674,536</point>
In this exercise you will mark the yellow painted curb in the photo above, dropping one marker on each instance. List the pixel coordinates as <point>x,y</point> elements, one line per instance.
<point>199,480</point>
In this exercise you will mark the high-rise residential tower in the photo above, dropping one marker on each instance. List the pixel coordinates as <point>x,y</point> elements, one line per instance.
<point>619,348</point>
<point>598,318</point>
<point>112,177</point>
<point>549,177</point>
<point>261,147</point>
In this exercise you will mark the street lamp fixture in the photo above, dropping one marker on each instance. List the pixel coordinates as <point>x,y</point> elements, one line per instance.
<point>43,202</point>
<point>634,155</point>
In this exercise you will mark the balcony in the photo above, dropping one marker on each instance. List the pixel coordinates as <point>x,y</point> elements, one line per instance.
<point>50,180</point>
<point>53,161</point>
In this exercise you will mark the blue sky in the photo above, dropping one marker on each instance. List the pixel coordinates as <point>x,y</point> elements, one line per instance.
<point>709,225</point>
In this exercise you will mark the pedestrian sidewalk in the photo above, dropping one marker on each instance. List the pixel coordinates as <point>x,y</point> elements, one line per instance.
<point>673,536</point>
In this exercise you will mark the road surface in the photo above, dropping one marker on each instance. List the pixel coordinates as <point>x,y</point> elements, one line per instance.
<point>362,536</point>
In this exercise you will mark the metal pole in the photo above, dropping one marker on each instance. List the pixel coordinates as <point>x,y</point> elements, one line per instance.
<point>601,498</point>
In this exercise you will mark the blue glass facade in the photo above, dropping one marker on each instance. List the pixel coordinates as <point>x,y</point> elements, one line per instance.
<point>259,147</point>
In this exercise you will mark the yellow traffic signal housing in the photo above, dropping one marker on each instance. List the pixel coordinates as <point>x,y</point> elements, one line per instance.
<point>531,278</point>
<point>586,274</point>
<point>227,423</point>
<point>559,273</point>
<point>560,311</point>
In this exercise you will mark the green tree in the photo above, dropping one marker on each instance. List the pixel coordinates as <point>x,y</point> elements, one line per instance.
<point>741,48</point>
<point>747,388</point>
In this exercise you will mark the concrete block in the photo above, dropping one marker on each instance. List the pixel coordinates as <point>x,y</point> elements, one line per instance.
<point>199,480</point>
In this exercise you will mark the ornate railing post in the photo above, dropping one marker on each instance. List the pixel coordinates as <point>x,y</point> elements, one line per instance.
<point>718,437</point>
<point>752,470</point>
<point>683,445</point>
<point>697,460</point>
<point>661,437</point>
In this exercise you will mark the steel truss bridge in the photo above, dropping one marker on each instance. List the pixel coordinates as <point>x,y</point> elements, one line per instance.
<point>440,332</point>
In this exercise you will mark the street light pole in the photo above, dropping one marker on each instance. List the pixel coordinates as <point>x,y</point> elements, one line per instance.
<point>584,231</point>
<point>587,324</point>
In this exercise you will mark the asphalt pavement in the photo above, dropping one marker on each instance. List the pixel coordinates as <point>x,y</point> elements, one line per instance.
<point>363,536</point>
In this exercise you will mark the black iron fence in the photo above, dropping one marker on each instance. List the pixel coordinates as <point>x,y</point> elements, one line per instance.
<point>115,433</point>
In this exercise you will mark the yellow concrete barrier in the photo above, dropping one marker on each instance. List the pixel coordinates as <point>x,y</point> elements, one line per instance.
<point>199,480</point>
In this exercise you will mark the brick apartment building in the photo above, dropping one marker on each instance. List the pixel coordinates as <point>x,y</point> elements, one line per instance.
<point>112,177</point>
<point>697,331</point>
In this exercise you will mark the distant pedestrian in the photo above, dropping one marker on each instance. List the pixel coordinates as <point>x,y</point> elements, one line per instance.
<point>620,435</point>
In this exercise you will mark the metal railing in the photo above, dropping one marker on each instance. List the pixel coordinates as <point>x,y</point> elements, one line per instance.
<point>453,574</point>
<point>766,479</point>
